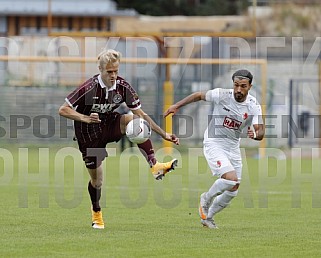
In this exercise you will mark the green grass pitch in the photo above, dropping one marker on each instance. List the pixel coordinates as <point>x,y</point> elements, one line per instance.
<point>45,208</point>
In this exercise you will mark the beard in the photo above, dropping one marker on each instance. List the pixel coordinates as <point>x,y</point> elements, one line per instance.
<point>238,97</point>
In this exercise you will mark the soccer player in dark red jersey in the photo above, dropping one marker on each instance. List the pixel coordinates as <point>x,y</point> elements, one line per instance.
<point>92,106</point>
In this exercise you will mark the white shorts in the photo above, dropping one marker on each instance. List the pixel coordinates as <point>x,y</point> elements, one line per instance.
<point>221,161</point>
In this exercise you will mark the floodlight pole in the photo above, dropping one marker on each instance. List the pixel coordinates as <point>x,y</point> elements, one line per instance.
<point>168,100</point>
<point>319,106</point>
<point>290,139</point>
<point>49,18</point>
<point>254,17</point>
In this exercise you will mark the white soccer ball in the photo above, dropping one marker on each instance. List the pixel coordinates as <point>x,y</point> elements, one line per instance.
<point>138,130</point>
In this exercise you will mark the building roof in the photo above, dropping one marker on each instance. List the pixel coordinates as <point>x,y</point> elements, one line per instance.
<point>62,8</point>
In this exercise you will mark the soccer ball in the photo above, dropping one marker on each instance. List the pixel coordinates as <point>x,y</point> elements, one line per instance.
<point>138,130</point>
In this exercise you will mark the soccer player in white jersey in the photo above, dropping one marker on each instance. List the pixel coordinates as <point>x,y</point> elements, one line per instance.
<point>234,110</point>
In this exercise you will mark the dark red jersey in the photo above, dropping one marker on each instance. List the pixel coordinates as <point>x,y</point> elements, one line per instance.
<point>94,97</point>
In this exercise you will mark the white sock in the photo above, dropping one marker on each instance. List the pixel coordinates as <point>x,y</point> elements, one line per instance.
<point>221,202</point>
<point>219,186</point>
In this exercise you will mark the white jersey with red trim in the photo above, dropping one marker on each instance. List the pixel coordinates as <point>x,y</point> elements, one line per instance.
<point>230,117</point>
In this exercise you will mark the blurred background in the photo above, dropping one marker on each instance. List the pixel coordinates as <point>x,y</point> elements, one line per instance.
<point>170,49</point>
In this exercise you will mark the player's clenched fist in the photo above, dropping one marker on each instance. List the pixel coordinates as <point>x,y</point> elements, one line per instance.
<point>94,118</point>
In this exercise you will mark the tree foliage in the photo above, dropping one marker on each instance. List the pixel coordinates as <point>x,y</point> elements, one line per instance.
<point>185,7</point>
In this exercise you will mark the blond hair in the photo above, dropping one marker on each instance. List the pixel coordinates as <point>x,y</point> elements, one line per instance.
<point>108,56</point>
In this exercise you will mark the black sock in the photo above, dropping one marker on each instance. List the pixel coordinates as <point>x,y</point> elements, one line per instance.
<point>94,196</point>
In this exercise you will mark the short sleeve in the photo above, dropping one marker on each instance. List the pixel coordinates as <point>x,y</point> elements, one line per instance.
<point>213,95</point>
<point>76,97</point>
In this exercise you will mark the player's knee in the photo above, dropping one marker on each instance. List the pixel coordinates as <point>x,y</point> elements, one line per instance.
<point>232,176</point>
<point>235,187</point>
<point>97,183</point>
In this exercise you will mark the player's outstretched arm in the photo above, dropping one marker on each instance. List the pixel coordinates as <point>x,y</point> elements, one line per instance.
<point>166,136</point>
<point>194,97</point>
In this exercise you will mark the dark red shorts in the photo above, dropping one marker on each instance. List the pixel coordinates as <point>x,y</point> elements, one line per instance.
<point>93,148</point>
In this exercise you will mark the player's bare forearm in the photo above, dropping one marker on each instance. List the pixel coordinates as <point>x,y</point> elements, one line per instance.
<point>166,136</point>
<point>69,113</point>
<point>155,127</point>
<point>260,132</point>
<point>66,111</point>
<point>194,97</point>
